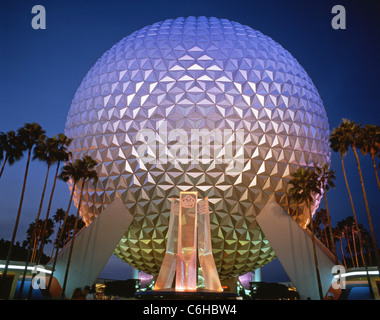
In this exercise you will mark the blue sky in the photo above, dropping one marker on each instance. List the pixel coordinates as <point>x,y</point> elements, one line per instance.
<point>40,71</point>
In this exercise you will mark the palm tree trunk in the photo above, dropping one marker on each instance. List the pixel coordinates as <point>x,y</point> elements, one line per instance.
<point>47,215</point>
<point>357,227</point>
<point>68,236</point>
<point>374,167</point>
<point>10,250</point>
<point>34,241</point>
<point>349,248</point>
<point>354,242</point>
<point>315,255</point>
<point>352,205</point>
<point>325,239</point>
<point>34,248</point>
<point>325,236</point>
<point>34,232</point>
<point>367,210</point>
<point>329,223</point>
<point>297,211</point>
<point>3,166</point>
<point>369,254</point>
<point>55,240</point>
<point>362,252</point>
<point>341,248</point>
<point>60,237</point>
<point>72,242</point>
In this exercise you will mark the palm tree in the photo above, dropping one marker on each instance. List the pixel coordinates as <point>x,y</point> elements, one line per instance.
<point>320,218</point>
<point>87,173</point>
<point>43,151</point>
<point>70,224</point>
<point>346,231</point>
<point>11,148</point>
<point>347,134</point>
<point>58,217</point>
<point>29,135</point>
<point>34,236</point>
<point>327,177</point>
<point>80,169</point>
<point>369,142</point>
<point>351,229</point>
<point>359,233</point>
<point>296,212</point>
<point>69,171</point>
<point>319,232</point>
<point>60,154</point>
<point>305,184</point>
<point>340,140</point>
<point>338,235</point>
<point>367,243</point>
<point>354,239</point>
<point>344,227</point>
<point>67,232</point>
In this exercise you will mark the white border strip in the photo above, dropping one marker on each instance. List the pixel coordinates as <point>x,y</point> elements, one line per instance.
<point>356,273</point>
<point>15,267</point>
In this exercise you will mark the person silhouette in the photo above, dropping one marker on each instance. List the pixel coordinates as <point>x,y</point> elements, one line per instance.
<point>77,294</point>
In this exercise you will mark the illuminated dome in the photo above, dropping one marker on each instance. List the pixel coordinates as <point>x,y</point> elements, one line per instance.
<point>183,75</point>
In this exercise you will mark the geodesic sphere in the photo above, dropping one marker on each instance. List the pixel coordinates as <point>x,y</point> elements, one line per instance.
<point>196,104</point>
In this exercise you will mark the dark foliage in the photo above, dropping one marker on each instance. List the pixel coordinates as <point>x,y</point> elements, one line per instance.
<point>19,252</point>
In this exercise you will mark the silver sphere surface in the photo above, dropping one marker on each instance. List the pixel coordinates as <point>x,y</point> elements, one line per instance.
<point>184,80</point>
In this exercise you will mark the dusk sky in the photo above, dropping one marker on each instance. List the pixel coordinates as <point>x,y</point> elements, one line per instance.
<point>40,71</point>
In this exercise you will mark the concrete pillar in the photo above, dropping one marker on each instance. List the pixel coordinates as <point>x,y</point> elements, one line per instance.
<point>93,248</point>
<point>135,273</point>
<point>294,248</point>
<point>257,275</point>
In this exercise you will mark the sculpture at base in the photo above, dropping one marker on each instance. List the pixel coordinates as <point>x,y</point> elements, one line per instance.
<point>189,237</point>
